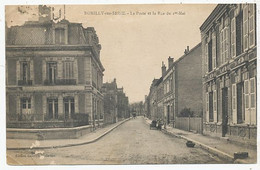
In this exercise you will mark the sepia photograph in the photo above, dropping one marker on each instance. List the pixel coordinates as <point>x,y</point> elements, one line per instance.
<point>131,84</point>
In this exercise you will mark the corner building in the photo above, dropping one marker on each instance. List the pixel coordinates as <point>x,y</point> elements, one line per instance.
<point>229,72</point>
<point>53,75</point>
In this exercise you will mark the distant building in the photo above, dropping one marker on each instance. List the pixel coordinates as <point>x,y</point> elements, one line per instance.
<point>53,74</point>
<point>229,48</point>
<point>110,102</point>
<point>122,104</point>
<point>116,104</point>
<point>152,101</point>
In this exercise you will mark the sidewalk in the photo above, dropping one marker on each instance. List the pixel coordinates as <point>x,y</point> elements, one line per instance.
<point>220,147</point>
<point>22,144</point>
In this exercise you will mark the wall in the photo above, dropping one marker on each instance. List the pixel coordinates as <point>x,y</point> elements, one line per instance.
<point>189,81</point>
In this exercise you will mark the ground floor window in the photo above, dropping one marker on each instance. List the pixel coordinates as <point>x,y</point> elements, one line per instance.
<point>53,108</point>
<point>69,107</point>
<point>211,117</point>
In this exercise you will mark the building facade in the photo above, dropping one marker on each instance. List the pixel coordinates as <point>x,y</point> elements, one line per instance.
<point>228,38</point>
<point>110,102</point>
<point>123,104</point>
<point>53,74</point>
<point>179,88</point>
<point>116,103</point>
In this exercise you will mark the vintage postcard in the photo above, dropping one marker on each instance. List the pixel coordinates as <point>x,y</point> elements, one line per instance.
<point>135,84</point>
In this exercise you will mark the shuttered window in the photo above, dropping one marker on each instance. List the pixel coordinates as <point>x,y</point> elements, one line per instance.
<point>233,37</point>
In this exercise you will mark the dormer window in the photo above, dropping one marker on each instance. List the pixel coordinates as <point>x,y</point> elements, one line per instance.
<point>59,36</point>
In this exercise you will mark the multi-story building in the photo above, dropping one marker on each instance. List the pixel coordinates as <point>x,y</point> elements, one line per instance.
<point>53,74</point>
<point>228,38</point>
<point>152,101</point>
<point>179,88</point>
<point>183,85</point>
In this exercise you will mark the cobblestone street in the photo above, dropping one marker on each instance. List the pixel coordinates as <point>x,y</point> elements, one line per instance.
<point>131,143</point>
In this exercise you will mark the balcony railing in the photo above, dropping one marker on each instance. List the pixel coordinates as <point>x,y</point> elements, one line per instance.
<point>24,82</point>
<point>60,82</point>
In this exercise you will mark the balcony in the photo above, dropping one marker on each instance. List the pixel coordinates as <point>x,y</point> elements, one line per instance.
<point>24,82</point>
<point>60,82</point>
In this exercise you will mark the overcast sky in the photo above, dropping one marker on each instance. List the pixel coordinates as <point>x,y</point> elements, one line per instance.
<point>133,46</point>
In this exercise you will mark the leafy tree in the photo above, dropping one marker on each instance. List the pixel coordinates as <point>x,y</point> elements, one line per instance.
<point>186,112</point>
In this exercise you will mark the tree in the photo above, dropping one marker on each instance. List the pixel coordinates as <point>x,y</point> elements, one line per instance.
<point>186,112</point>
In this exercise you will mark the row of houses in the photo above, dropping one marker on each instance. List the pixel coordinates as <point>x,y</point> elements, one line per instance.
<point>54,75</point>
<point>217,79</point>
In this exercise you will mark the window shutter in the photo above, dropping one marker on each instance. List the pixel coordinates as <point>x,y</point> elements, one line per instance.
<point>207,107</point>
<point>214,50</point>
<point>234,103</point>
<point>245,27</point>
<point>44,70</point>
<point>251,14</point>
<point>215,106</point>
<point>31,70</point>
<point>233,37</point>
<point>252,101</point>
<point>206,57</point>
<point>246,103</point>
<point>18,69</point>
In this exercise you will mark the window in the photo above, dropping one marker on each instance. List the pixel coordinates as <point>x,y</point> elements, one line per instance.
<point>59,36</point>
<point>238,41</point>
<point>53,108</point>
<point>210,56</point>
<point>26,105</point>
<point>25,70</point>
<point>68,70</point>
<point>52,72</point>
<point>69,107</point>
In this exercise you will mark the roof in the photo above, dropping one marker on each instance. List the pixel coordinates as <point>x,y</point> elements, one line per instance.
<point>217,11</point>
<point>182,57</point>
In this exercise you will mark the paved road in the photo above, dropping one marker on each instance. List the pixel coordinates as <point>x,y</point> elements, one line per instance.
<point>130,143</point>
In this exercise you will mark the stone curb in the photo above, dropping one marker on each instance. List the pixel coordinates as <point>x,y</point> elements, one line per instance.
<point>75,144</point>
<point>212,150</point>
<point>205,147</point>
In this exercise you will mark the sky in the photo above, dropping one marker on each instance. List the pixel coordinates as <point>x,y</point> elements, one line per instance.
<point>134,42</point>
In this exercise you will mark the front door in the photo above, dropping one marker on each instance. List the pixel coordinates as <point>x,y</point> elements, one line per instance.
<point>224,111</point>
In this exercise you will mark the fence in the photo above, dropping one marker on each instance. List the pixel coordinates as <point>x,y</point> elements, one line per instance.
<point>189,124</point>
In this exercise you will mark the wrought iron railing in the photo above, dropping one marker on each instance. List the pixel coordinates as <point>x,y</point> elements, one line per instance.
<point>24,82</point>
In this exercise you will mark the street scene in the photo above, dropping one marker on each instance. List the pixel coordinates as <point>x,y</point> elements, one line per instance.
<point>131,84</point>
<point>131,143</point>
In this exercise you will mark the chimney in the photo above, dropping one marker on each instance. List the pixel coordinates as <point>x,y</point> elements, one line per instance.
<point>163,69</point>
<point>187,50</point>
<point>170,62</point>
<point>44,13</point>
